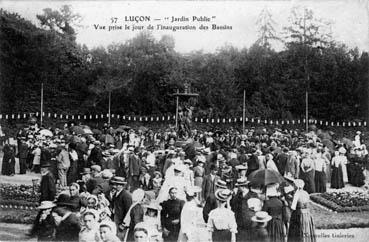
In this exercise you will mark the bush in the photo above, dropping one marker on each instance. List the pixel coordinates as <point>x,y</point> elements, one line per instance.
<point>343,201</point>
<point>19,192</point>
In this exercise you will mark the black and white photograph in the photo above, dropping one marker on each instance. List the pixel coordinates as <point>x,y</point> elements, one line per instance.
<point>184,121</point>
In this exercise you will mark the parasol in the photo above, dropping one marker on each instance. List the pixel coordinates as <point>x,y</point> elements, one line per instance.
<point>96,131</point>
<point>77,130</point>
<point>265,177</point>
<point>143,128</point>
<point>124,127</point>
<point>46,132</point>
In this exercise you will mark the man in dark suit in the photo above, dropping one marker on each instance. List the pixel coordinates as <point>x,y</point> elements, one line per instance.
<point>68,224</point>
<point>47,187</point>
<point>22,154</point>
<point>134,166</point>
<point>211,201</point>
<point>170,216</point>
<point>122,201</point>
<point>281,161</point>
<point>208,185</point>
<point>96,156</point>
<point>252,162</point>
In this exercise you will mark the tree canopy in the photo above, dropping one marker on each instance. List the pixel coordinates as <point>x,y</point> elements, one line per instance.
<point>142,73</point>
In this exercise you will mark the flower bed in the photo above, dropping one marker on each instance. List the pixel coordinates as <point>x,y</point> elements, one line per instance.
<point>343,201</point>
<point>25,193</point>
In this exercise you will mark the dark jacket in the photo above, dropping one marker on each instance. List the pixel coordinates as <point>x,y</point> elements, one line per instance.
<point>93,183</point>
<point>210,204</point>
<point>121,204</point>
<point>44,230</point>
<point>134,165</point>
<point>208,186</point>
<point>68,229</point>
<point>47,188</point>
<point>103,187</point>
<point>281,162</point>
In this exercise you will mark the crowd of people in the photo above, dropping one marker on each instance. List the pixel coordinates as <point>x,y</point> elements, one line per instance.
<point>139,185</point>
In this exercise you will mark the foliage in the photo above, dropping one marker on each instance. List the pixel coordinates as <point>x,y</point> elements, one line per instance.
<point>142,73</point>
<point>19,192</point>
<point>343,201</point>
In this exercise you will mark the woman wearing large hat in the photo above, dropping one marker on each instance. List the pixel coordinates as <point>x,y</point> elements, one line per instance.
<point>44,224</point>
<point>222,223</point>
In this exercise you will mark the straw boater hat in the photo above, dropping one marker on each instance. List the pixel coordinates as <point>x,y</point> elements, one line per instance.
<point>342,150</point>
<point>299,183</point>
<point>153,206</point>
<point>46,205</point>
<point>179,168</point>
<point>187,161</point>
<point>106,174</point>
<point>261,217</point>
<point>223,195</point>
<point>242,182</point>
<point>117,180</point>
<point>191,191</point>
<point>221,184</point>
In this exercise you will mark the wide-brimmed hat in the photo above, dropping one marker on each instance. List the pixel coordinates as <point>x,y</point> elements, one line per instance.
<point>96,168</point>
<point>153,206</point>
<point>261,217</point>
<point>157,173</point>
<point>187,161</point>
<point>46,205</point>
<point>223,195</point>
<point>138,195</point>
<point>86,171</point>
<point>106,174</point>
<point>299,183</point>
<point>117,180</point>
<point>241,167</point>
<point>221,184</point>
<point>179,168</point>
<point>342,150</point>
<point>242,182</point>
<point>191,191</point>
<point>63,200</point>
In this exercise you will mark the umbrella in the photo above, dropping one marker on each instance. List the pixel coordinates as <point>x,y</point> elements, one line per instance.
<point>46,132</point>
<point>119,130</point>
<point>324,135</point>
<point>96,131</point>
<point>87,131</point>
<point>124,127</point>
<point>348,142</point>
<point>328,143</point>
<point>77,130</point>
<point>265,177</point>
<point>143,129</point>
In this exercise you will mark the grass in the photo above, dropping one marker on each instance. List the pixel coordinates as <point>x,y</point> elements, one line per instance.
<point>325,219</point>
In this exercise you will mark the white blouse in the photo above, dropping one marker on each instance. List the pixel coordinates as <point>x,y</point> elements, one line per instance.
<point>222,219</point>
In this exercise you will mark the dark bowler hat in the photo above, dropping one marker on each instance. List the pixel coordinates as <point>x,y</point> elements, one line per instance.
<point>86,171</point>
<point>63,200</point>
<point>45,165</point>
<point>117,180</point>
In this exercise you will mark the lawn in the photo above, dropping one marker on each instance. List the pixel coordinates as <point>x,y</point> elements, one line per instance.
<point>325,219</point>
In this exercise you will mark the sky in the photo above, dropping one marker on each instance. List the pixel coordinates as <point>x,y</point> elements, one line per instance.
<point>350,24</point>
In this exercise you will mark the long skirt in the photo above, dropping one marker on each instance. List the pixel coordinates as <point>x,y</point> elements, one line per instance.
<point>276,230</point>
<point>337,177</point>
<point>302,227</point>
<point>221,235</point>
<point>308,178</point>
<point>320,182</point>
